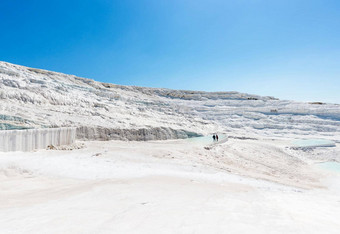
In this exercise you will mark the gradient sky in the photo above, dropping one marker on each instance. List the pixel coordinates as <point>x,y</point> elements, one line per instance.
<point>289,49</point>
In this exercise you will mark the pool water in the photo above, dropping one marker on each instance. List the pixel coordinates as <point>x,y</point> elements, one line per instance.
<point>314,143</point>
<point>205,139</point>
<point>331,166</point>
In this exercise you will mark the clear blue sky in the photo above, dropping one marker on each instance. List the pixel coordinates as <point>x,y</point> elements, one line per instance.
<point>284,48</point>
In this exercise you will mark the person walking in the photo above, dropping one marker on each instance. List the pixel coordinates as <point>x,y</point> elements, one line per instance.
<point>214,137</point>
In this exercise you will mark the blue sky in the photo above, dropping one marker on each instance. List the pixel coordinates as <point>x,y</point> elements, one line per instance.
<point>289,49</point>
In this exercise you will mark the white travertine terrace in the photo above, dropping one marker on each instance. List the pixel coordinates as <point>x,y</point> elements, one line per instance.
<point>256,181</point>
<point>34,98</point>
<point>30,139</point>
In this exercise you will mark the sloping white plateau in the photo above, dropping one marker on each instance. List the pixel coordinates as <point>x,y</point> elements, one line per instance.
<point>37,98</point>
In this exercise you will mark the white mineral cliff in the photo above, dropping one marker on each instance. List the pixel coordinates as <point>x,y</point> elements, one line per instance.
<point>31,98</point>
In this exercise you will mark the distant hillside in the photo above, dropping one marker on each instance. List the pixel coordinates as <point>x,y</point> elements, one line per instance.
<point>32,98</point>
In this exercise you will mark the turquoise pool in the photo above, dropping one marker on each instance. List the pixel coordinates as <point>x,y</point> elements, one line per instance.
<point>205,139</point>
<point>313,143</point>
<point>331,166</point>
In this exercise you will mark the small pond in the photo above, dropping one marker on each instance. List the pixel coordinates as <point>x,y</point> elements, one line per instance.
<point>313,143</point>
<point>205,139</point>
<point>331,166</point>
<point>6,126</point>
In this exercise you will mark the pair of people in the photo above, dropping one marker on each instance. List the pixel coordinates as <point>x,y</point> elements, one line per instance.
<point>215,137</point>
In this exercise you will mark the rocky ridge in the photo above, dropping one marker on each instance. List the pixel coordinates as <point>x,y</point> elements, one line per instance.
<point>33,98</point>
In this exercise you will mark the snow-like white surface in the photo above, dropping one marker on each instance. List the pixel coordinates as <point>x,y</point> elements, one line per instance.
<point>166,187</point>
<point>252,181</point>
<point>33,98</point>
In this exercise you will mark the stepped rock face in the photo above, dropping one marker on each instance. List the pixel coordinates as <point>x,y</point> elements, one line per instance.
<point>34,98</point>
<point>141,134</point>
<point>30,139</point>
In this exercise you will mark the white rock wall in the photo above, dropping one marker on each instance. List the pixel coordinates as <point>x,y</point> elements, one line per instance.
<point>30,139</point>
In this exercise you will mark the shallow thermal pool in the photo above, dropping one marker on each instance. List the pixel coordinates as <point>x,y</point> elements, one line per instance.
<point>205,139</point>
<point>313,143</point>
<point>331,166</point>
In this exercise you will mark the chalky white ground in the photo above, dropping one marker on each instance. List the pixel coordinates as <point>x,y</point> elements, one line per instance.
<point>258,185</point>
<point>175,186</point>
